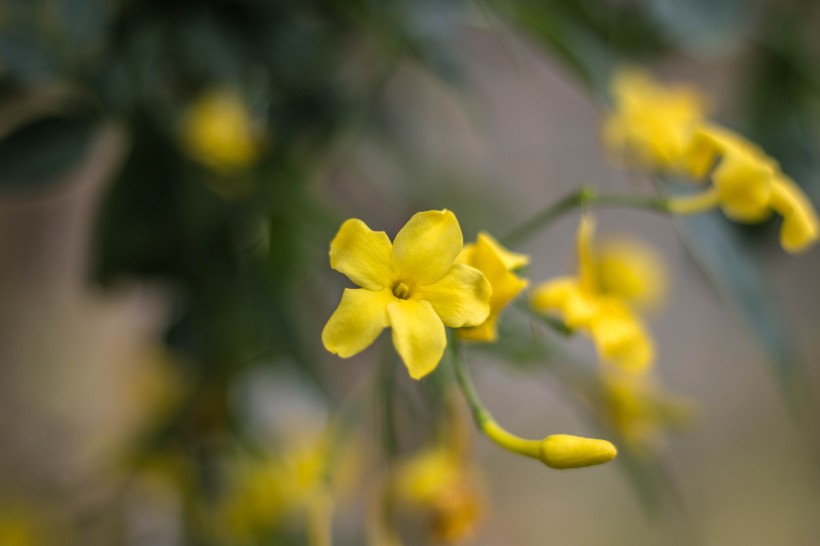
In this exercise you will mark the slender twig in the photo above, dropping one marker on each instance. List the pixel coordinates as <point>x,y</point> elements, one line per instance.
<point>583,197</point>
<point>480,413</point>
<point>483,419</point>
<point>387,400</point>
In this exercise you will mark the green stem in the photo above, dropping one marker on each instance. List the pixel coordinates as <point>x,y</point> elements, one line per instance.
<point>480,413</point>
<point>583,197</point>
<point>387,396</point>
<point>483,419</point>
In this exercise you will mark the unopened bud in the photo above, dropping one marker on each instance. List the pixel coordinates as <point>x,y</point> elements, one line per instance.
<point>566,451</point>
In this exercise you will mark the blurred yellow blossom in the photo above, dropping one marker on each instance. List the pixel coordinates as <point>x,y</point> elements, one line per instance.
<point>631,270</point>
<point>412,285</point>
<point>217,131</point>
<point>651,125</point>
<point>21,525</point>
<point>297,484</point>
<point>748,185</point>
<point>606,317</point>
<point>497,264</point>
<point>446,487</point>
<point>634,406</point>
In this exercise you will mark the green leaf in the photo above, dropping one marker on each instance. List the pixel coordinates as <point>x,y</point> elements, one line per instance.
<point>34,156</point>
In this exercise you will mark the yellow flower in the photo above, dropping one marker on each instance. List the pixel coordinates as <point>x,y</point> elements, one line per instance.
<point>217,132</point>
<point>446,487</point>
<point>265,492</point>
<point>748,186</point>
<point>497,264</point>
<point>652,124</point>
<point>630,270</point>
<point>411,285</point>
<point>585,305</point>
<point>634,407</point>
<point>273,490</point>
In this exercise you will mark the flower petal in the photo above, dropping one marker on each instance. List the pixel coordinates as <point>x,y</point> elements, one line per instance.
<point>426,247</point>
<point>744,182</point>
<point>631,271</point>
<point>357,322</point>
<point>707,143</point>
<point>418,335</point>
<point>362,254</point>
<point>800,224</point>
<point>461,297</point>
<point>511,260</point>
<point>565,296</point>
<point>487,331</point>
<point>620,337</point>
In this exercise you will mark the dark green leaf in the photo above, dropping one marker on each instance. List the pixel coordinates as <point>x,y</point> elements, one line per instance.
<point>35,155</point>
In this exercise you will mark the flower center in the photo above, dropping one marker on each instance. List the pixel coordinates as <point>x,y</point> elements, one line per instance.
<point>401,290</point>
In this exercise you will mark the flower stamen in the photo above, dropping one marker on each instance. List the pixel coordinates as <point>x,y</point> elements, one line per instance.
<point>401,290</point>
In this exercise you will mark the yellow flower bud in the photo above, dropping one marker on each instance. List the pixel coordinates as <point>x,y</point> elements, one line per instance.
<point>566,451</point>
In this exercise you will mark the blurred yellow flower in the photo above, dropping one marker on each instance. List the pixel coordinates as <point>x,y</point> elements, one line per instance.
<point>446,487</point>
<point>629,269</point>
<point>651,125</point>
<point>217,131</point>
<point>748,185</point>
<point>497,264</point>
<point>606,317</point>
<point>412,285</point>
<point>634,407</point>
<point>20,525</point>
<point>271,491</point>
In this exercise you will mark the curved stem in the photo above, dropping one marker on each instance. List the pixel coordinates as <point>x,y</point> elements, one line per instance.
<point>483,419</point>
<point>583,197</point>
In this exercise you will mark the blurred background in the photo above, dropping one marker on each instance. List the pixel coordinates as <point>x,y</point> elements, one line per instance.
<point>171,175</point>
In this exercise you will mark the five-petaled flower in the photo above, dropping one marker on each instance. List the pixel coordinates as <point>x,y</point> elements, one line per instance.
<point>497,263</point>
<point>605,316</point>
<point>412,285</point>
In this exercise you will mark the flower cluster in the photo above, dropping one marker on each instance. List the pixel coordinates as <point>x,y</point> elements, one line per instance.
<point>425,280</point>
<point>665,129</point>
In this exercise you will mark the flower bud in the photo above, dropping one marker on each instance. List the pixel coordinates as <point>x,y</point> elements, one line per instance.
<point>566,451</point>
